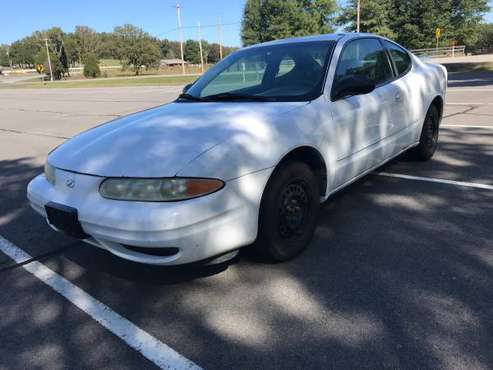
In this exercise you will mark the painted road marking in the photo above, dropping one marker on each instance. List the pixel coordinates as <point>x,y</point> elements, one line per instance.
<point>150,347</point>
<point>459,89</point>
<point>470,104</point>
<point>471,126</point>
<point>439,181</point>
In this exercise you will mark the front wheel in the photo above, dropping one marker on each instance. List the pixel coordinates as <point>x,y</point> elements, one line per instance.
<point>288,212</point>
<point>428,141</point>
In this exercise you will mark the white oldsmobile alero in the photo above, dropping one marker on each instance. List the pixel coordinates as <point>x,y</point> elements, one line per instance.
<point>247,153</point>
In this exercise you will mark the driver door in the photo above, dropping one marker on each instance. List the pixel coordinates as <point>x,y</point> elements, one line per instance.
<point>361,122</point>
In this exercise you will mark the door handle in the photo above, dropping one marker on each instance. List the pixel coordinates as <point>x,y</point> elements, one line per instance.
<point>398,97</point>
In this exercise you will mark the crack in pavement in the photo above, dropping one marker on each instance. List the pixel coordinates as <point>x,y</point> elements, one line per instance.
<point>68,114</point>
<point>480,114</point>
<point>90,100</point>
<point>465,111</point>
<point>40,257</point>
<point>12,131</point>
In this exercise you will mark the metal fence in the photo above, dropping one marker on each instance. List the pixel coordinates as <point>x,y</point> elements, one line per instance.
<point>449,51</point>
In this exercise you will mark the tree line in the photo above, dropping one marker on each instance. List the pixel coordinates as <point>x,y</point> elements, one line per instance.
<point>412,23</point>
<point>134,47</point>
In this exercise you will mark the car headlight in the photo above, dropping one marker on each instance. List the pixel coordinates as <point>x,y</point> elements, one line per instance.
<point>158,190</point>
<point>49,173</point>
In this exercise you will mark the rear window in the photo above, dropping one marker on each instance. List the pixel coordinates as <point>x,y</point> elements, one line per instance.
<point>401,58</point>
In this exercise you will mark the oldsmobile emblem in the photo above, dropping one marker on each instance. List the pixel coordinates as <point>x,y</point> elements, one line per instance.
<point>70,183</point>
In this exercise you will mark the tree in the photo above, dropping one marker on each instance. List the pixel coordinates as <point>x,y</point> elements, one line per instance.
<point>322,14</point>
<point>136,48</point>
<point>91,67</point>
<point>415,21</point>
<point>466,16</point>
<point>251,25</point>
<point>71,48</point>
<point>23,52</point>
<point>265,20</point>
<point>86,40</point>
<point>485,38</point>
<point>169,49</point>
<point>56,66</point>
<point>191,51</point>
<point>213,55</point>
<point>59,60</point>
<point>374,17</point>
<point>4,57</point>
<point>107,47</point>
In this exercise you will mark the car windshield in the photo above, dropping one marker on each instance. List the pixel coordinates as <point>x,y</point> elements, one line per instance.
<point>285,72</point>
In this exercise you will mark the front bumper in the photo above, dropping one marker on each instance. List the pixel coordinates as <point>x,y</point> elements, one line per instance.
<point>198,228</point>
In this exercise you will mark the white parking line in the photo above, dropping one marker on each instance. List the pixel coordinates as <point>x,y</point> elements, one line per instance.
<point>151,348</point>
<point>439,181</point>
<point>468,104</point>
<point>461,89</point>
<point>462,126</point>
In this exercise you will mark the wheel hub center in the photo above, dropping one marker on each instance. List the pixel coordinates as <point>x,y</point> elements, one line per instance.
<point>292,210</point>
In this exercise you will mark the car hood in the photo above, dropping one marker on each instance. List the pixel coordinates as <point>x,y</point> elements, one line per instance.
<point>159,142</point>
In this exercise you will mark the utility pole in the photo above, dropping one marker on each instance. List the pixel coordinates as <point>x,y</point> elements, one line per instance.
<point>200,47</point>
<point>49,59</point>
<point>358,12</point>
<point>220,36</point>
<point>178,14</point>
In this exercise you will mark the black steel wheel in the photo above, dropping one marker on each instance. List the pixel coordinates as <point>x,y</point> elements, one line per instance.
<point>428,141</point>
<point>288,213</point>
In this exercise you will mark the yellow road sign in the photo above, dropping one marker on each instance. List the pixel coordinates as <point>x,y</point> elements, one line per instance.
<point>39,68</point>
<point>438,33</point>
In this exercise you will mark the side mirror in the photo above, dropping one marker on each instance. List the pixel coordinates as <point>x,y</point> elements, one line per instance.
<point>185,89</point>
<point>353,85</point>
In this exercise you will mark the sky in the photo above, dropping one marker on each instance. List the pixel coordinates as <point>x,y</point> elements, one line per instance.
<point>157,17</point>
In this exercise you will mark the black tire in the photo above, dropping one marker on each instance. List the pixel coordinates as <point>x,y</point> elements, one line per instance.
<point>288,212</point>
<point>428,141</point>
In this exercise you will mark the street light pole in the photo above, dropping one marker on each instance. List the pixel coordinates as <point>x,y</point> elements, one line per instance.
<point>49,59</point>
<point>358,11</point>
<point>178,14</point>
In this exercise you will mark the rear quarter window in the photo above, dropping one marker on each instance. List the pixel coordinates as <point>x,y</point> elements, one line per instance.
<point>400,57</point>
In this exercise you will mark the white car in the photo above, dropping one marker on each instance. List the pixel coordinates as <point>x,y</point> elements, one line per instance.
<point>247,154</point>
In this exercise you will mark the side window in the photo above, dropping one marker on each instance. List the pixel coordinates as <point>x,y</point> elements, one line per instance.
<point>401,58</point>
<point>286,65</point>
<point>364,57</point>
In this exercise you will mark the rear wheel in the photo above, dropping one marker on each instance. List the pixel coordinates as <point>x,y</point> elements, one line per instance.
<point>428,141</point>
<point>288,212</point>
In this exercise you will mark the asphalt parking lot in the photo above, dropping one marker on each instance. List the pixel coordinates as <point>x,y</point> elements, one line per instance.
<point>399,275</point>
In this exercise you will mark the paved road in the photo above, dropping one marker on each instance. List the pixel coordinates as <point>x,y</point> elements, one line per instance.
<point>399,274</point>
<point>484,58</point>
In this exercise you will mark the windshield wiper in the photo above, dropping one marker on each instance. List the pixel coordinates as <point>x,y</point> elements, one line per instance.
<point>232,96</point>
<point>190,97</point>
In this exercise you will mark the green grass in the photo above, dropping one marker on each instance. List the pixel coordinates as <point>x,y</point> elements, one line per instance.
<point>120,82</point>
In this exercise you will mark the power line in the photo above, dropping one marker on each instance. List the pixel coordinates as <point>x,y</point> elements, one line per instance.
<point>192,27</point>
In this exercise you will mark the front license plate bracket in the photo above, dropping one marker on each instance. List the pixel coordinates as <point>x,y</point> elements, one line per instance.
<point>65,219</point>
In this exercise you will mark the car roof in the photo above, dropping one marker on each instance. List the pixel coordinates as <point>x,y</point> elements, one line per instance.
<point>326,37</point>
